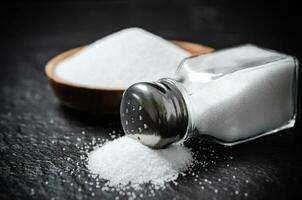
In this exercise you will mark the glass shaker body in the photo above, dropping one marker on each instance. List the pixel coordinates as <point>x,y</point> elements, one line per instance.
<point>238,94</point>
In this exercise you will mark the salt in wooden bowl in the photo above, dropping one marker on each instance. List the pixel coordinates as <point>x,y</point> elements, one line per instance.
<point>97,100</point>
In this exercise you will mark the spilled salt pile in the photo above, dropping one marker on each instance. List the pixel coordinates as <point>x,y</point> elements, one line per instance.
<point>121,59</point>
<point>125,161</point>
<point>196,174</point>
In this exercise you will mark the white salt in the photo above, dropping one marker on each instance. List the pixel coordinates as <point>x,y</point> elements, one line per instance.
<point>246,92</point>
<point>122,59</point>
<point>126,161</point>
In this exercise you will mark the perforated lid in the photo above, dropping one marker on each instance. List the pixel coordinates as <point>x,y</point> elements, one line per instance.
<point>154,113</point>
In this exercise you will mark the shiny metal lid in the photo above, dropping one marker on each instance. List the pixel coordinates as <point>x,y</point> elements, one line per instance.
<point>154,113</point>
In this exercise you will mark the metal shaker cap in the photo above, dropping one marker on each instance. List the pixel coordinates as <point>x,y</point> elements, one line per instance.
<point>154,113</point>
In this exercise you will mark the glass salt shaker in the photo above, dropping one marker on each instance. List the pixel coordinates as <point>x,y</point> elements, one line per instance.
<point>229,96</point>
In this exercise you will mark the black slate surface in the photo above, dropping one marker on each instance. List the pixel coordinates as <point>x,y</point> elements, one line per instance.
<point>39,158</point>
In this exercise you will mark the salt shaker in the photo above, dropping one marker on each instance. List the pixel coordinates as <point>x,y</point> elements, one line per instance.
<point>229,96</point>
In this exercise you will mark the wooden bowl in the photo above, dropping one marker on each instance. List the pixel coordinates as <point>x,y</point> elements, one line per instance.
<point>96,100</point>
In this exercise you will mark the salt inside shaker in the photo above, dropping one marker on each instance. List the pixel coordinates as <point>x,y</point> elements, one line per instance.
<point>229,96</point>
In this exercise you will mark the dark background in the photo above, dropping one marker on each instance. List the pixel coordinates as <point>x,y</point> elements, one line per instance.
<point>37,135</point>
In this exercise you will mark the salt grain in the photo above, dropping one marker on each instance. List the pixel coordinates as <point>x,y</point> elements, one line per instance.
<point>125,161</point>
<point>133,54</point>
